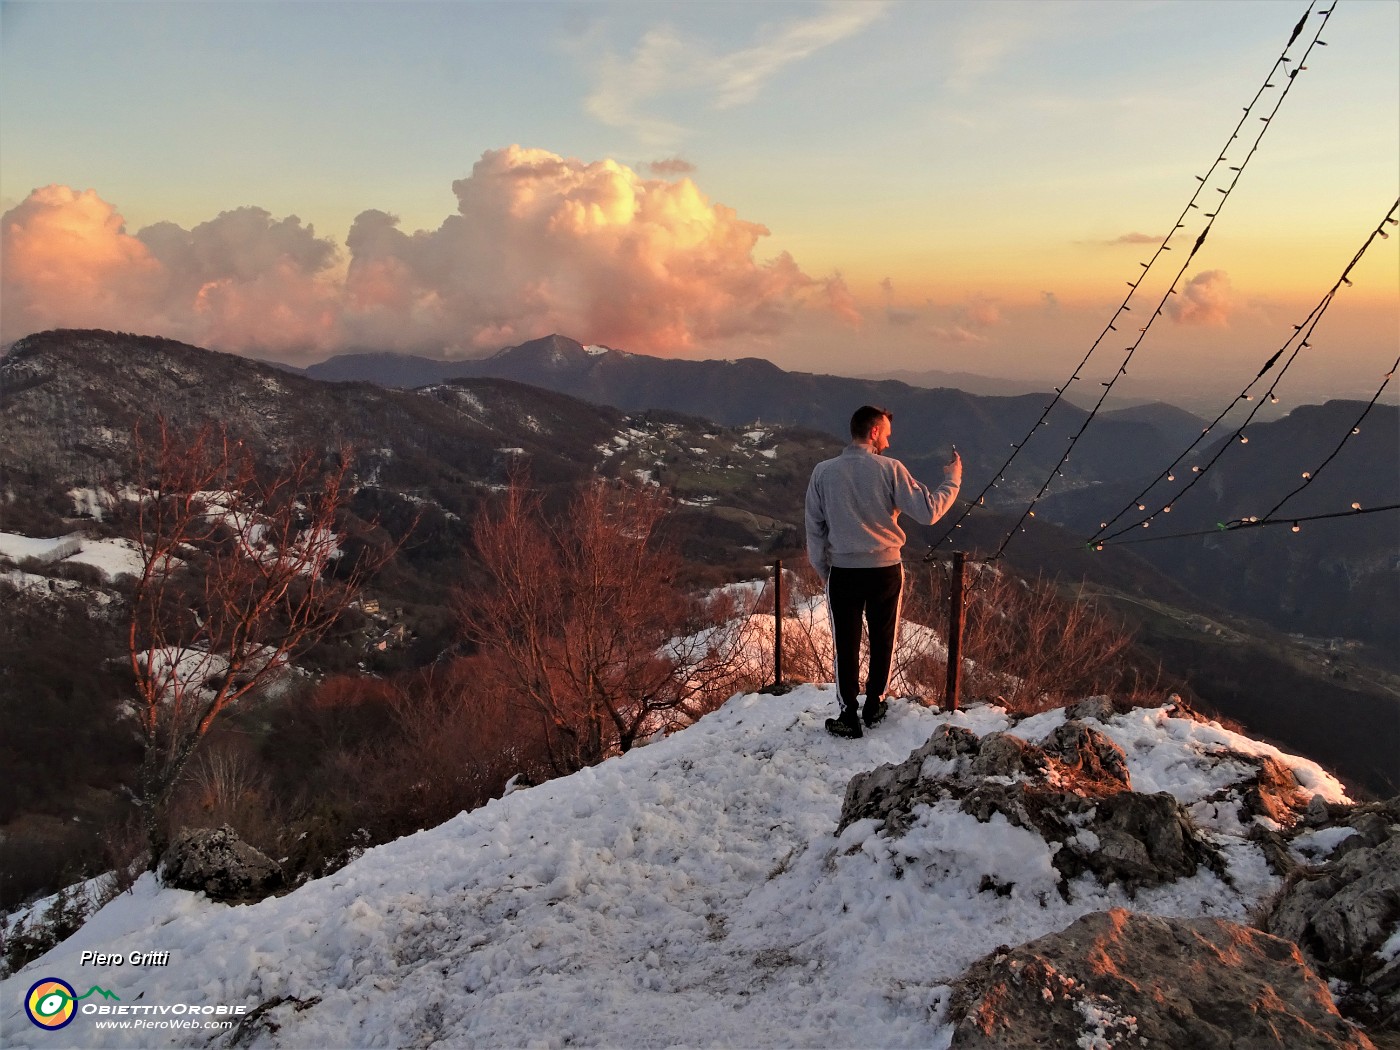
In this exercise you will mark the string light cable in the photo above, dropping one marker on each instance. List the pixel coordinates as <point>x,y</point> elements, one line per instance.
<point>1281,63</point>
<point>1130,351</point>
<point>1240,524</point>
<point>1256,521</point>
<point>1299,340</point>
<point>1310,476</point>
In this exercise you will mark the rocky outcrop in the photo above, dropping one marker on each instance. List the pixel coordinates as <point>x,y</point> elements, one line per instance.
<point>216,862</point>
<point>1118,978</point>
<point>1345,912</point>
<point>1074,790</point>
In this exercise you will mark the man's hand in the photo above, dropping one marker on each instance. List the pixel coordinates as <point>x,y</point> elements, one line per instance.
<point>953,468</point>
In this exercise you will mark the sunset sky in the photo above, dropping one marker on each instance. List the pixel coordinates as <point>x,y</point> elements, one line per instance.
<point>839,187</point>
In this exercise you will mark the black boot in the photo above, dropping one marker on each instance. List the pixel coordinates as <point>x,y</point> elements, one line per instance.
<point>848,725</point>
<point>874,712</point>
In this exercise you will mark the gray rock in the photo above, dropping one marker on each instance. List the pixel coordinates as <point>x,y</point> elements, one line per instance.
<point>1144,840</point>
<point>1318,812</point>
<point>216,862</point>
<point>1003,755</point>
<point>1099,708</point>
<point>1122,979</point>
<point>1343,912</point>
<point>950,742</point>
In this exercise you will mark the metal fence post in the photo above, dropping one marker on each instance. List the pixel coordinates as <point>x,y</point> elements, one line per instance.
<point>777,621</point>
<point>778,687</point>
<point>956,613</point>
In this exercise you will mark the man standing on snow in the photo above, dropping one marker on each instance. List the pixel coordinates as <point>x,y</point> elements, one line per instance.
<point>854,542</point>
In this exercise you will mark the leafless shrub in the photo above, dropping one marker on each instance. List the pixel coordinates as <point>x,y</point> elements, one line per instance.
<point>124,849</point>
<point>1025,642</point>
<point>808,653</point>
<point>582,626</point>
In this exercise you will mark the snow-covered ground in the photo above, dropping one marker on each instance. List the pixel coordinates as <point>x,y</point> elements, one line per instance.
<point>114,557</point>
<point>691,893</point>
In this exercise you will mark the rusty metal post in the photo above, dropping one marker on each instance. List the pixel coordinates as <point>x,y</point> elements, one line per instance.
<point>778,686</point>
<point>778,622</point>
<point>955,629</point>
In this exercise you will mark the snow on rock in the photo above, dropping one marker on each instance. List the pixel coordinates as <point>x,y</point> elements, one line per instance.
<point>691,892</point>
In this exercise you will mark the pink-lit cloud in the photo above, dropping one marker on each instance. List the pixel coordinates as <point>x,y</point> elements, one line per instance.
<point>239,282</point>
<point>247,281</point>
<point>539,244</point>
<point>979,312</point>
<point>1206,299</point>
<point>68,260</point>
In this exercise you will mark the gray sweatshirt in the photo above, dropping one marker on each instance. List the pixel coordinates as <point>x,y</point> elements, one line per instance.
<point>854,501</point>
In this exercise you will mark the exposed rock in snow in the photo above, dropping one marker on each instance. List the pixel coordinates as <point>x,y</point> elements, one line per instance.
<point>1074,791</point>
<point>221,865</point>
<point>1345,914</point>
<point>1121,979</point>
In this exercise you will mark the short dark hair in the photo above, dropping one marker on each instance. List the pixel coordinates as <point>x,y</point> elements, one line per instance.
<point>865,418</point>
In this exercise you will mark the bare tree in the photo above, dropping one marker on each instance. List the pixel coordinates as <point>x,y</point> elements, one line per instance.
<point>582,623</point>
<point>241,569</point>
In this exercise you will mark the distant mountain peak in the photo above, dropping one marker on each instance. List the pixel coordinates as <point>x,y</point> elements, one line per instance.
<point>553,351</point>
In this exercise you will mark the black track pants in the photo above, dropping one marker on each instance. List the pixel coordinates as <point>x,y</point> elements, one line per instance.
<point>871,595</point>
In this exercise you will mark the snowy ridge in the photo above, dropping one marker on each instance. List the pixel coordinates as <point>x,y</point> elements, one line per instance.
<point>691,892</point>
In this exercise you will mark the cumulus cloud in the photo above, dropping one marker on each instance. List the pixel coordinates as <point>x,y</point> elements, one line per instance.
<point>896,316</point>
<point>539,244</point>
<point>1206,299</point>
<point>665,65</point>
<point>247,281</point>
<point>68,260</point>
<point>239,282</point>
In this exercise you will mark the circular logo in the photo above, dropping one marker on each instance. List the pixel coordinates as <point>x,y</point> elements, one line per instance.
<point>50,1003</point>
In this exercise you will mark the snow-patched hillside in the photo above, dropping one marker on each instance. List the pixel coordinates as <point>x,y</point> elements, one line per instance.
<point>114,557</point>
<point>693,892</point>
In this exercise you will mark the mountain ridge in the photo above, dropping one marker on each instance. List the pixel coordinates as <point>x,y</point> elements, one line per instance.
<point>434,455</point>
